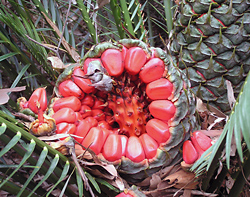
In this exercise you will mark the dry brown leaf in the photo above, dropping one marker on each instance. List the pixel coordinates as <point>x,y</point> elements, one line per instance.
<point>201,193</point>
<point>66,45</point>
<point>4,97</point>
<point>187,193</point>
<point>180,179</point>
<point>107,171</point>
<point>100,4</point>
<point>213,134</point>
<point>104,171</point>
<point>154,181</point>
<point>212,118</point>
<point>57,63</point>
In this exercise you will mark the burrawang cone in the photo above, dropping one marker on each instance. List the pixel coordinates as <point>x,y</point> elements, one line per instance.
<point>136,106</point>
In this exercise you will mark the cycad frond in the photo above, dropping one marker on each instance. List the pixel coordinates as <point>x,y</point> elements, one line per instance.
<point>236,129</point>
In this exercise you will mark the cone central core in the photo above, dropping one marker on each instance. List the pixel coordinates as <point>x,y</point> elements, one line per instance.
<point>127,102</point>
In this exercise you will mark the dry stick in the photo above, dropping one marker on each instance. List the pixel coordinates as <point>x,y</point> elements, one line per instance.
<point>55,51</point>
<point>84,178</point>
<point>94,15</point>
<point>128,32</point>
<point>67,15</point>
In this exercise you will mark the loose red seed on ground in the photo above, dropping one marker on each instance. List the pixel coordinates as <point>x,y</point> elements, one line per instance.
<point>152,70</point>
<point>82,83</point>
<point>162,109</point>
<point>201,139</point>
<point>149,145</point>
<point>135,60</point>
<point>112,148</point>
<point>69,88</point>
<point>134,150</point>
<point>70,102</point>
<point>159,89</point>
<point>64,115</point>
<point>94,140</point>
<point>190,155</point>
<point>88,100</point>
<point>158,130</point>
<point>113,61</point>
<point>201,142</point>
<point>82,130</point>
<point>87,61</point>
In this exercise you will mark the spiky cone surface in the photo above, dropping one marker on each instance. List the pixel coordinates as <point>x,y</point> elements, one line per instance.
<point>137,109</point>
<point>211,43</point>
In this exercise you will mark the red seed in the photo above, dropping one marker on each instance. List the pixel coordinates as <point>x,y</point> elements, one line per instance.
<point>106,133</point>
<point>201,142</point>
<point>124,140</point>
<point>78,116</point>
<point>158,130</point>
<point>82,130</point>
<point>104,124</point>
<point>64,115</point>
<point>88,100</point>
<point>113,62</point>
<point>65,128</point>
<point>93,122</point>
<point>152,70</point>
<point>149,145</point>
<point>98,104</point>
<point>70,102</point>
<point>134,150</point>
<point>112,148</point>
<point>190,154</point>
<point>135,60</point>
<point>124,52</point>
<point>85,111</point>
<point>38,96</point>
<point>87,61</point>
<point>159,89</point>
<point>98,114</point>
<point>69,88</point>
<point>162,109</point>
<point>94,140</point>
<point>82,83</point>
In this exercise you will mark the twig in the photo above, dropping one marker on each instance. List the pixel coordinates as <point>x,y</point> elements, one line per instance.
<point>65,23</point>
<point>55,51</point>
<point>24,116</point>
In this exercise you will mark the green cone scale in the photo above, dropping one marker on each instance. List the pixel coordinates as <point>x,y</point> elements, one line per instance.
<point>211,44</point>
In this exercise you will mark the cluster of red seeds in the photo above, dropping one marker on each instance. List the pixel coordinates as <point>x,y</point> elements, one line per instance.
<point>131,120</point>
<point>195,147</point>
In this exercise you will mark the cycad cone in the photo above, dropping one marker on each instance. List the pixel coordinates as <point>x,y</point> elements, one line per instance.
<point>211,43</point>
<point>143,119</point>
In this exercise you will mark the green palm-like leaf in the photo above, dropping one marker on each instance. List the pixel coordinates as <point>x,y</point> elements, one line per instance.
<point>39,157</point>
<point>236,128</point>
